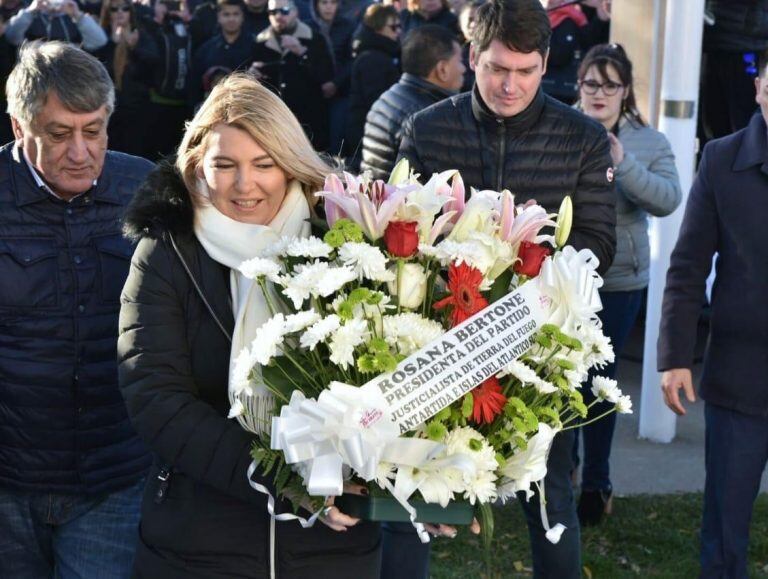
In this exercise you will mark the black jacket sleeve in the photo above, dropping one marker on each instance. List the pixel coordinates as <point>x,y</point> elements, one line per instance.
<point>594,204</point>
<point>689,267</point>
<point>160,392</point>
<point>408,147</point>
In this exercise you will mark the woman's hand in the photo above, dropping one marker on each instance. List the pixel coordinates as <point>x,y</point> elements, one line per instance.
<point>617,149</point>
<point>449,530</point>
<point>332,517</point>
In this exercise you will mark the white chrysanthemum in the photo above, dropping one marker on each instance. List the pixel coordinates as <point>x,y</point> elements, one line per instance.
<point>241,371</point>
<point>439,486</point>
<point>598,351</point>
<point>311,247</point>
<point>367,261</point>
<point>575,378</point>
<point>236,409</point>
<point>315,279</point>
<point>409,332</point>
<point>463,441</point>
<point>268,339</point>
<point>277,249</point>
<point>624,405</point>
<point>482,488</point>
<point>300,321</point>
<point>345,340</point>
<point>606,389</point>
<point>472,252</point>
<point>384,471</point>
<point>260,267</point>
<point>319,331</point>
<point>521,371</point>
<point>544,387</point>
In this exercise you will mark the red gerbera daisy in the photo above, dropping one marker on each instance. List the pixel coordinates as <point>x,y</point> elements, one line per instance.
<point>488,401</point>
<point>464,284</point>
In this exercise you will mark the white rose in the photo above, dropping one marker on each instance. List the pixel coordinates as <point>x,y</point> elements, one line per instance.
<point>413,285</point>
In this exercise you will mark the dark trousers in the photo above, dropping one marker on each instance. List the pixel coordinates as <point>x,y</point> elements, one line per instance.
<point>736,454</point>
<point>618,315</point>
<point>404,557</point>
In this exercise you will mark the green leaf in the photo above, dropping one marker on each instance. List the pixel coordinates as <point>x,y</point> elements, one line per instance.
<point>500,286</point>
<point>467,404</point>
<point>281,377</point>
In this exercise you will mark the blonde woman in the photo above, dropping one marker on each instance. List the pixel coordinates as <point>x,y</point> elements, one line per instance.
<point>244,175</point>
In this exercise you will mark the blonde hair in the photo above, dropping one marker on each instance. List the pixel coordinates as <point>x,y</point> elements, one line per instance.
<point>240,101</point>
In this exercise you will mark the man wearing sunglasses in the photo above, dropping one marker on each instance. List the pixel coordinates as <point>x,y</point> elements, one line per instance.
<point>295,62</point>
<point>507,134</point>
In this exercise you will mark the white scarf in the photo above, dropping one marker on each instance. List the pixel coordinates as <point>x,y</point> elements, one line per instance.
<point>230,243</point>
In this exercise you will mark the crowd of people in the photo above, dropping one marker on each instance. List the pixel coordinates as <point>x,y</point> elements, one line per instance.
<point>254,104</point>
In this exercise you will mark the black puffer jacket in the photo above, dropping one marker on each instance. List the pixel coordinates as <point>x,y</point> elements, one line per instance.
<point>174,362</point>
<point>544,153</point>
<point>740,26</point>
<point>63,424</point>
<point>384,124</point>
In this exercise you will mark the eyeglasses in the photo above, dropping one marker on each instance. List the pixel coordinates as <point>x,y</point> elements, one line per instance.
<point>114,9</point>
<point>591,87</point>
<point>285,11</point>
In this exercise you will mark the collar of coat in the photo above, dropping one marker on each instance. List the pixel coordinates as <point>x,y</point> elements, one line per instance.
<point>161,204</point>
<point>518,123</point>
<point>753,149</point>
<point>269,38</point>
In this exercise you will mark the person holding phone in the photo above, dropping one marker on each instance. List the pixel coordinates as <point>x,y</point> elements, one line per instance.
<point>55,20</point>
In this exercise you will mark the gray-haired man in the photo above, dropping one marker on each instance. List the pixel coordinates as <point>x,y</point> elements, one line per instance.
<point>71,467</point>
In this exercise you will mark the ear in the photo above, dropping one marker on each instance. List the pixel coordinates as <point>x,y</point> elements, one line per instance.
<point>757,90</point>
<point>18,132</point>
<point>473,56</point>
<point>544,63</point>
<point>441,71</point>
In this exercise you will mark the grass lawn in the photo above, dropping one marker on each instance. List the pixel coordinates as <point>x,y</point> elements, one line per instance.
<point>647,536</point>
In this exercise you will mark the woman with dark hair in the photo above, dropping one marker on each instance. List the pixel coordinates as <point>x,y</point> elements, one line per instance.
<point>646,184</point>
<point>421,12</point>
<point>337,31</point>
<point>376,68</point>
<point>129,55</point>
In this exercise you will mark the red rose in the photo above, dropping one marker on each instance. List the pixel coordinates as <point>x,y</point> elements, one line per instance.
<point>530,256</point>
<point>401,238</point>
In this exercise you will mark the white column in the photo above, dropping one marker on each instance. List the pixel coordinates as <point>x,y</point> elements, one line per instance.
<point>677,120</point>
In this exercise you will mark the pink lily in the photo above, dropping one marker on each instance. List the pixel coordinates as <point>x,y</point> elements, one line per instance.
<point>458,200</point>
<point>507,214</point>
<point>372,212</point>
<point>526,225</point>
<point>332,211</point>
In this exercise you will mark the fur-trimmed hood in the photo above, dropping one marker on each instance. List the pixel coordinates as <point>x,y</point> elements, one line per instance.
<point>162,204</point>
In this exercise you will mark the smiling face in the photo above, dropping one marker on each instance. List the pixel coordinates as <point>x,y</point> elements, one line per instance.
<point>245,184</point>
<point>66,148</point>
<point>507,80</point>
<point>604,108</point>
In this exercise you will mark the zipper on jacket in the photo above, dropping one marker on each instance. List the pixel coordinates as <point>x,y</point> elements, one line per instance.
<point>635,262</point>
<point>501,132</point>
<point>164,476</point>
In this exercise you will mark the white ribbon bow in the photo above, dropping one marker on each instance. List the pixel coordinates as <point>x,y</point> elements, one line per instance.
<point>346,425</point>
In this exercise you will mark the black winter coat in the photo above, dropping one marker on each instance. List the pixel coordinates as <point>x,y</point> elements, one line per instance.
<point>544,153</point>
<point>339,40</point>
<point>384,124</point>
<point>174,363</point>
<point>725,216</point>
<point>63,424</point>
<point>297,79</point>
<point>237,55</point>
<point>376,68</point>
<point>740,26</point>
